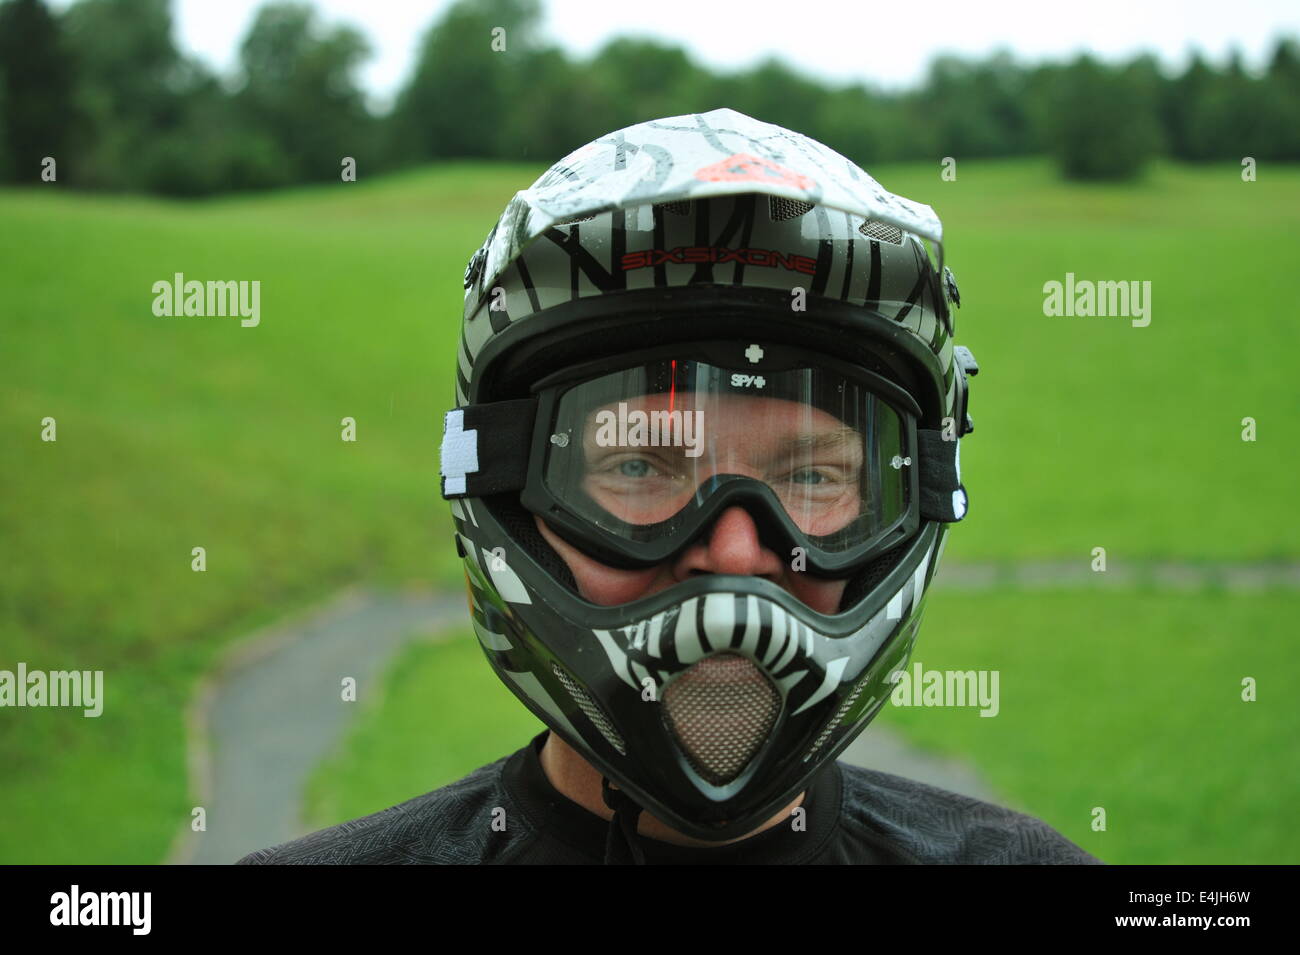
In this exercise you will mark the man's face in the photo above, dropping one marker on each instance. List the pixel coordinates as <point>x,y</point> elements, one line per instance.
<point>805,455</point>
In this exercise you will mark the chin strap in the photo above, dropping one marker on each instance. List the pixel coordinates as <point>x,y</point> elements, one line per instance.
<point>621,839</point>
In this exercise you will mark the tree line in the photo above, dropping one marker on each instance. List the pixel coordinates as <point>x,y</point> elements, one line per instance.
<point>103,89</point>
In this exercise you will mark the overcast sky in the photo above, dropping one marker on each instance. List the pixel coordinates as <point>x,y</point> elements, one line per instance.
<point>887,44</point>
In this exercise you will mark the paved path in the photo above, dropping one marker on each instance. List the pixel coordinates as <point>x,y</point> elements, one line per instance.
<point>265,722</point>
<point>1119,574</point>
<point>273,711</point>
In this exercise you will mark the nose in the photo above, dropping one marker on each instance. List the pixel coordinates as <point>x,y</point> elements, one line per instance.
<point>732,547</point>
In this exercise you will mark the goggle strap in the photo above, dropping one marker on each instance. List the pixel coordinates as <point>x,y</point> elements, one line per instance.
<point>943,497</point>
<point>485,448</point>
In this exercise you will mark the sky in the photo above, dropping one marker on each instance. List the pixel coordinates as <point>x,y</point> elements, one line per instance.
<point>841,41</point>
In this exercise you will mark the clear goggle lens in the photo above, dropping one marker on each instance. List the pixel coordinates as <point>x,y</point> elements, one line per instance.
<point>637,452</point>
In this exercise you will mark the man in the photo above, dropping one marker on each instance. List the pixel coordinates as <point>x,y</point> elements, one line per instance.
<point>702,467</point>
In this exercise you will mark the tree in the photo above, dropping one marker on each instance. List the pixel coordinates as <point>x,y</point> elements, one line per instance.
<point>36,81</point>
<point>865,126</point>
<point>300,92</point>
<point>1182,106</point>
<point>1281,101</point>
<point>457,101</point>
<point>552,108</point>
<point>130,85</point>
<point>1228,123</point>
<point>775,93</point>
<point>974,108</point>
<point>636,79</point>
<point>1101,121</point>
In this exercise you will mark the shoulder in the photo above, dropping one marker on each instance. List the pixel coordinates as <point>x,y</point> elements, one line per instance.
<point>450,825</point>
<point>927,825</point>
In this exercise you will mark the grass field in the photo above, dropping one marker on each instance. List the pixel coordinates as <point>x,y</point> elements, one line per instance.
<point>182,432</point>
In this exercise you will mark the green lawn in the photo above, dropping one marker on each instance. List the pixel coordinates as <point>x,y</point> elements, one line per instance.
<point>1131,701</point>
<point>439,714</point>
<point>183,432</point>
<point>1091,432</point>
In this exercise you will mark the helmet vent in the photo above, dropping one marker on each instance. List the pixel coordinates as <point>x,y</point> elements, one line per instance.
<point>839,716</point>
<point>782,208</point>
<point>574,219</point>
<point>679,207</point>
<point>881,231</point>
<point>871,575</point>
<point>589,707</point>
<point>521,527</point>
<point>721,711</point>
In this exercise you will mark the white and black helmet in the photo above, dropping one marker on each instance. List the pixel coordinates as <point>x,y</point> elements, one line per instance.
<point>707,260</point>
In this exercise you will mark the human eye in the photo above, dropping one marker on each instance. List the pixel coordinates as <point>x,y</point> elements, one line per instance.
<point>811,476</point>
<point>631,470</point>
<point>637,488</point>
<point>636,468</point>
<point>817,480</point>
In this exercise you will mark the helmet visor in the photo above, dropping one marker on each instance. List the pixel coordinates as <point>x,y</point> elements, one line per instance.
<point>642,454</point>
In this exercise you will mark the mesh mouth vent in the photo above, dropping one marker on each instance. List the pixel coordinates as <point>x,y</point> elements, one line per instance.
<point>721,711</point>
<point>781,208</point>
<point>881,231</point>
<point>679,207</point>
<point>589,707</point>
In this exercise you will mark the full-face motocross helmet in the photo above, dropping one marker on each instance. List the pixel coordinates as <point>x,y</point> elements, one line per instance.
<point>681,317</point>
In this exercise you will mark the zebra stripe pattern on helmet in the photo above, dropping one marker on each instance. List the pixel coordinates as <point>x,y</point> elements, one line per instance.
<point>785,647</point>
<point>701,155</point>
<point>849,268</point>
<point>567,236</point>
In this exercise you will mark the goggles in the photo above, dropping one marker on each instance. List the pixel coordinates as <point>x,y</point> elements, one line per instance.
<point>633,463</point>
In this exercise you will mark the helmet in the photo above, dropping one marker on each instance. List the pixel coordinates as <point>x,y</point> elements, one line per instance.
<point>712,254</point>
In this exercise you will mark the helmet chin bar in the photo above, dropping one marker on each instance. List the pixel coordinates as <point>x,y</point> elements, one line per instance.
<point>629,679</point>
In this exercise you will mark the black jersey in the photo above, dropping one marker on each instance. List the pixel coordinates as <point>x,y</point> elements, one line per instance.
<point>509,813</point>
